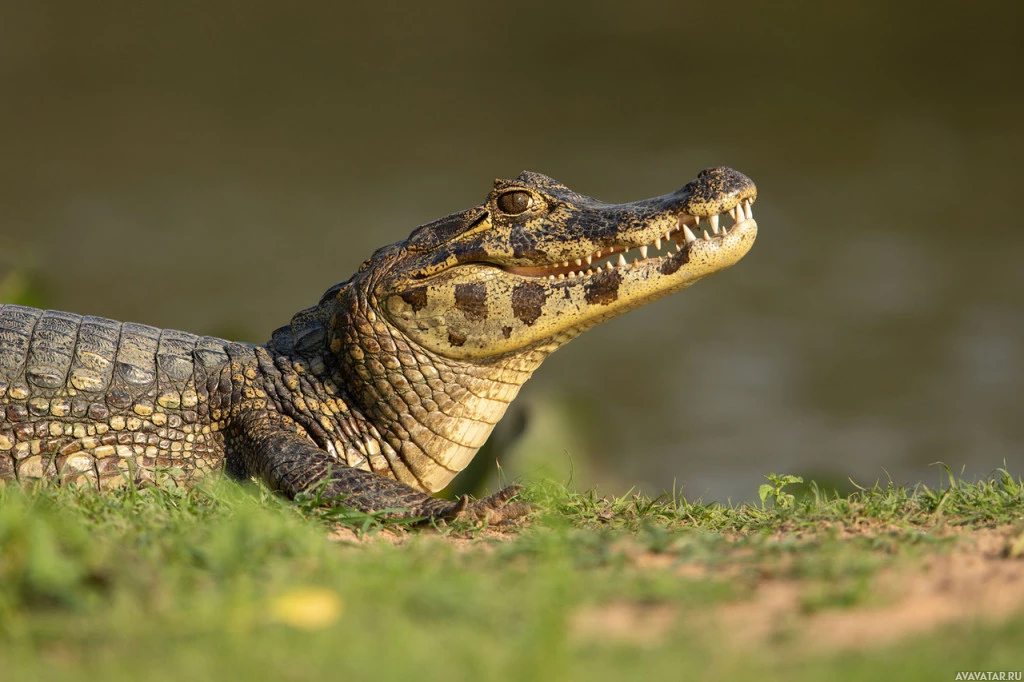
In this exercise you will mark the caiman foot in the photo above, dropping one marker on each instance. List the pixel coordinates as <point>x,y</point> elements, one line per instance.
<point>494,509</point>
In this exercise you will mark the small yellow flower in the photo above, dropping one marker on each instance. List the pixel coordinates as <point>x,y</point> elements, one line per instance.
<point>307,608</point>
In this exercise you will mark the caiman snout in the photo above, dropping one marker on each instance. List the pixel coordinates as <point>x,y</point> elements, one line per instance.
<point>715,190</point>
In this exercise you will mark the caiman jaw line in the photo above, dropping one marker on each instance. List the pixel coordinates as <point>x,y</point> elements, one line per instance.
<point>605,259</point>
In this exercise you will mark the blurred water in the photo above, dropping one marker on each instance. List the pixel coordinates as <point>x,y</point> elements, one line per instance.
<point>216,167</point>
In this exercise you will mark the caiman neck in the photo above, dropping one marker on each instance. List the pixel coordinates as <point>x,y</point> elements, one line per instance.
<point>432,412</point>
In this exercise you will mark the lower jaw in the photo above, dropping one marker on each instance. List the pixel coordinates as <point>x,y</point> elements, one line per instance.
<point>591,299</point>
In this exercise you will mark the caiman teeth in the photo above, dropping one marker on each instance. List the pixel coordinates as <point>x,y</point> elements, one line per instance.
<point>682,236</point>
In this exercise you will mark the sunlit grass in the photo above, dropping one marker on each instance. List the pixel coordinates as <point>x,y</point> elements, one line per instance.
<point>225,581</point>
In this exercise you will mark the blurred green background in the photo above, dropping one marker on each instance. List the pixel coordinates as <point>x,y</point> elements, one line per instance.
<point>215,166</point>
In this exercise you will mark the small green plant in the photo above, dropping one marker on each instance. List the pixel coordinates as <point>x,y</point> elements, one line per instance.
<point>773,490</point>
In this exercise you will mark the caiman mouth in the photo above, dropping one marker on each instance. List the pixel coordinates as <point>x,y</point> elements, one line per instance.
<point>682,236</point>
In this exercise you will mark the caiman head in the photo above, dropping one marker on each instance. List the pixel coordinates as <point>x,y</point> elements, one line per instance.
<point>480,297</point>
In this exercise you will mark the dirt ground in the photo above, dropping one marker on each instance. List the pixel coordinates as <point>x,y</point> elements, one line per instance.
<point>980,578</point>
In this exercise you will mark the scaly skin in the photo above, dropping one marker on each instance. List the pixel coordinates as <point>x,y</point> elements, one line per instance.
<point>384,391</point>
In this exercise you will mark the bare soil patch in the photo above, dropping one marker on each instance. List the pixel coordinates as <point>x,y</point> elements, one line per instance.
<point>980,579</point>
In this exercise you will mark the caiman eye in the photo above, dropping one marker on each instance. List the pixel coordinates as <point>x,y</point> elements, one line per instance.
<point>515,203</point>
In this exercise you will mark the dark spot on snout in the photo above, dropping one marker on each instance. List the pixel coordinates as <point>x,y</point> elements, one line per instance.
<point>603,288</point>
<point>416,297</point>
<point>673,264</point>
<point>471,299</point>
<point>455,338</point>
<point>527,300</point>
<point>506,332</point>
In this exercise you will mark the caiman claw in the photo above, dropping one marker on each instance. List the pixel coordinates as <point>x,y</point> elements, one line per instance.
<point>493,509</point>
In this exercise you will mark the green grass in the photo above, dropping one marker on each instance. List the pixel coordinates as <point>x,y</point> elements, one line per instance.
<point>223,581</point>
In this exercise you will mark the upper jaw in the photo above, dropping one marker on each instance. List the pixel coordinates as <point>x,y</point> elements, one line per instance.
<point>671,237</point>
<point>582,234</point>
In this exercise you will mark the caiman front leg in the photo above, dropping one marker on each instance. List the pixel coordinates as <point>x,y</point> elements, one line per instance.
<point>274,452</point>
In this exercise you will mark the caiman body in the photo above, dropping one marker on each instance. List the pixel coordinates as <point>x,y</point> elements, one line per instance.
<point>384,391</point>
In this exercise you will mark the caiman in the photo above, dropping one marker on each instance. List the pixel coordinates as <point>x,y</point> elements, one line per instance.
<point>382,392</point>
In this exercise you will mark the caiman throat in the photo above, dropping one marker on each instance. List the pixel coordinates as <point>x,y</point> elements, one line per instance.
<point>384,391</point>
